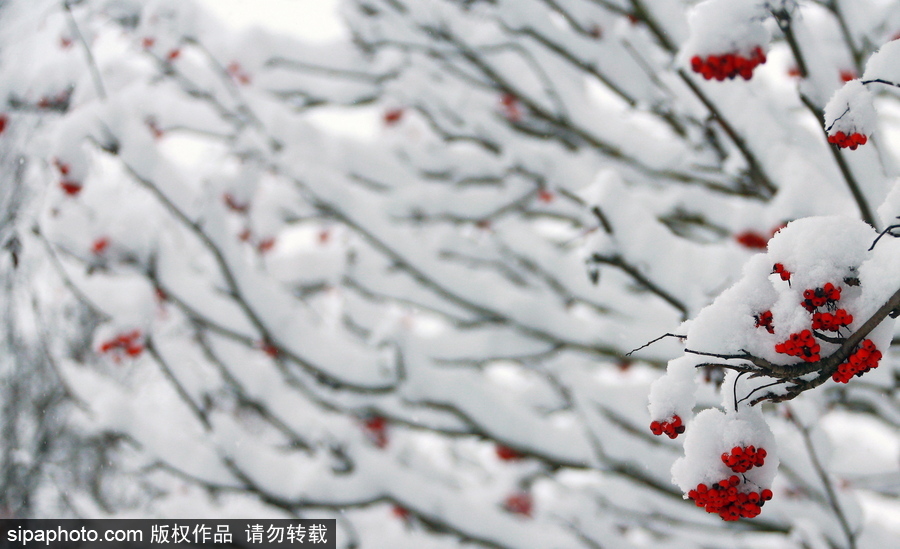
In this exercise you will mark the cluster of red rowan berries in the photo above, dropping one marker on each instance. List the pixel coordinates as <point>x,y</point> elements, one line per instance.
<point>725,499</point>
<point>801,344</point>
<point>741,460</point>
<point>100,246</point>
<point>779,269</point>
<point>671,427</point>
<point>129,344</point>
<point>829,294</point>
<point>511,107</point>
<point>238,73</point>
<point>393,116</point>
<point>831,322</point>
<point>69,186</point>
<point>505,453</point>
<point>861,361</point>
<point>519,504</point>
<point>234,204</point>
<point>728,65</point>
<point>375,428</point>
<point>401,513</point>
<point>752,240</point>
<point>848,141</point>
<point>764,320</point>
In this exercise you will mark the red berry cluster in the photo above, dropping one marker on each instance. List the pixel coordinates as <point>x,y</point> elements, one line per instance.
<point>829,294</point>
<point>238,73</point>
<point>393,116</point>
<point>848,141</point>
<point>376,429</point>
<point>831,322</point>
<point>725,499</point>
<point>671,427</point>
<point>752,240</point>
<point>728,65</point>
<point>511,107</point>
<point>520,504</point>
<point>129,343</point>
<point>741,460</point>
<point>800,344</point>
<point>779,269</point>
<point>234,204</point>
<point>861,361</point>
<point>764,320</point>
<point>506,453</point>
<point>69,186</point>
<point>401,513</point>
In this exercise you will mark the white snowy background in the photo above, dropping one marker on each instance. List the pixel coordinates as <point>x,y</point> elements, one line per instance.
<point>384,261</point>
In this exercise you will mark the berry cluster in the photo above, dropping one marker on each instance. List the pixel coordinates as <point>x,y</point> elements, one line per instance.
<point>861,361</point>
<point>779,269</point>
<point>725,499</point>
<point>519,504</point>
<point>375,428</point>
<point>800,344</point>
<point>752,240</point>
<point>393,116</point>
<point>829,294</point>
<point>831,322</point>
<point>728,65</point>
<point>100,246</point>
<point>68,185</point>
<point>764,320</point>
<point>511,107</point>
<point>238,73</point>
<point>129,344</point>
<point>848,141</point>
<point>234,204</point>
<point>401,513</point>
<point>671,427</point>
<point>505,453</point>
<point>741,460</point>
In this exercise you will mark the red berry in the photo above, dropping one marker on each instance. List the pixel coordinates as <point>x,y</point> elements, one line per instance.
<point>265,245</point>
<point>779,269</point>
<point>764,320</point>
<point>376,429</point>
<point>173,54</point>
<point>400,512</point>
<point>752,240</point>
<point>3,121</point>
<point>520,504</point>
<point>511,106</point>
<point>71,188</point>
<point>270,350</point>
<point>100,245</point>
<point>233,204</point>
<point>506,453</point>
<point>393,116</point>
<point>134,350</point>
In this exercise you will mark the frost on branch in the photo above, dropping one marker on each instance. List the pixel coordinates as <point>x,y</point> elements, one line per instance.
<point>810,310</point>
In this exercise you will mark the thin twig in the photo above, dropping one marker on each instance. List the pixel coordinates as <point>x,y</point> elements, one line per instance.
<point>826,482</point>
<point>92,63</point>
